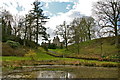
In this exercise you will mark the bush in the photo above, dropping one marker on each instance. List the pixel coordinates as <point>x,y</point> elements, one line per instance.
<point>31,44</point>
<point>52,46</point>
<point>109,65</point>
<point>13,44</point>
<point>7,50</point>
<point>89,64</point>
<point>31,54</point>
<point>45,47</point>
<point>5,38</point>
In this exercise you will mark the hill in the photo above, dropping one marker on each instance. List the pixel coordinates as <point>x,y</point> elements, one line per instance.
<point>97,49</point>
<point>14,57</point>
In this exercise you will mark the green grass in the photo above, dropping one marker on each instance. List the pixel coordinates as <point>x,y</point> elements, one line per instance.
<point>13,58</point>
<point>42,56</point>
<point>92,48</point>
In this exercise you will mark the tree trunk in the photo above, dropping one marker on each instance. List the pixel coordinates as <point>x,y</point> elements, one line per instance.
<point>66,44</point>
<point>116,34</point>
<point>89,35</point>
<point>78,48</point>
<point>25,35</point>
<point>37,31</point>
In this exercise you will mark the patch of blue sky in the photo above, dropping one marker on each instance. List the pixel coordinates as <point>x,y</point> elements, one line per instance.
<point>19,8</point>
<point>118,24</point>
<point>58,7</point>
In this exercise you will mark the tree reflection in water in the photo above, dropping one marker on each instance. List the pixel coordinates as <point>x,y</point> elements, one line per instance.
<point>54,74</point>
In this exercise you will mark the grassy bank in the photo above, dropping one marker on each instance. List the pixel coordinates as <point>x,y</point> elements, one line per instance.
<point>100,49</point>
<point>41,58</point>
<point>90,49</point>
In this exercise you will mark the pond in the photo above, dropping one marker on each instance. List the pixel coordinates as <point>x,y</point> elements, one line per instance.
<point>67,71</point>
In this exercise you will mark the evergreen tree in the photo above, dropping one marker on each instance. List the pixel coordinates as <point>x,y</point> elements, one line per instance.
<point>9,29</point>
<point>38,21</point>
<point>7,18</point>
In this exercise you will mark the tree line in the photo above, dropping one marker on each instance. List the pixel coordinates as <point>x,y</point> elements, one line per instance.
<point>26,29</point>
<point>79,30</point>
<point>31,27</point>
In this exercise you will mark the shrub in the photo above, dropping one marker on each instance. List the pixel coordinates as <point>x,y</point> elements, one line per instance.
<point>7,50</point>
<point>31,44</point>
<point>13,44</point>
<point>31,54</point>
<point>45,47</point>
<point>10,37</point>
<point>52,46</point>
<point>89,64</point>
<point>41,49</point>
<point>109,65</point>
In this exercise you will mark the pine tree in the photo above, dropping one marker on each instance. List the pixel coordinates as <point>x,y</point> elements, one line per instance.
<point>38,21</point>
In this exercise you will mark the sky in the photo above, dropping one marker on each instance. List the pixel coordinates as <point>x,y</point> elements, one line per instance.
<point>57,10</point>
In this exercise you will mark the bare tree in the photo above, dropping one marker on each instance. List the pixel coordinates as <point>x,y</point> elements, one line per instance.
<point>63,31</point>
<point>79,31</point>
<point>108,12</point>
<point>90,24</point>
<point>17,25</point>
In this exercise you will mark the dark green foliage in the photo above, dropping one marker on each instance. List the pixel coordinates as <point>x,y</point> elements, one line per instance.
<point>52,46</point>
<point>108,65</point>
<point>31,44</point>
<point>37,16</point>
<point>45,47</point>
<point>6,24</point>
<point>13,44</point>
<point>28,28</point>
<point>61,46</point>
<point>89,64</point>
<point>12,38</point>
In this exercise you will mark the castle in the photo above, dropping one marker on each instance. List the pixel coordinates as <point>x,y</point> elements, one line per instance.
<point>56,41</point>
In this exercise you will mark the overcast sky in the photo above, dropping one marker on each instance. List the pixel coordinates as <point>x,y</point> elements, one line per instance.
<point>57,10</point>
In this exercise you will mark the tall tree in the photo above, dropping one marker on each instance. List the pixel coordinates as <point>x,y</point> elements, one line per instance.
<point>90,26</point>
<point>25,28</point>
<point>39,20</point>
<point>29,26</point>
<point>64,31</point>
<point>108,12</point>
<point>9,29</point>
<point>79,31</point>
<point>7,19</point>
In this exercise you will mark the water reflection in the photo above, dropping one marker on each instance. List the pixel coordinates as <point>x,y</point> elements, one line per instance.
<point>65,72</point>
<point>54,74</point>
<point>41,74</point>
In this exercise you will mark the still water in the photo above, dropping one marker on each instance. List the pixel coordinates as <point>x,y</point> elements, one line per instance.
<point>55,74</point>
<point>64,72</point>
